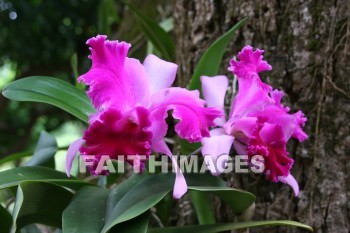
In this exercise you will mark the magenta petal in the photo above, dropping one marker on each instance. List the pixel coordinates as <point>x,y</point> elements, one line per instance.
<point>291,123</point>
<point>298,132</point>
<point>161,74</point>
<point>71,153</point>
<point>252,93</point>
<point>250,62</point>
<point>180,186</point>
<point>290,180</point>
<point>113,78</point>
<point>272,135</point>
<point>188,108</point>
<point>215,146</point>
<point>243,127</point>
<point>116,133</point>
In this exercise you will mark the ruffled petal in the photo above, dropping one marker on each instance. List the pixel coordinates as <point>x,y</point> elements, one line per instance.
<point>188,108</point>
<point>214,91</point>
<point>298,132</point>
<point>251,62</point>
<point>71,153</point>
<point>180,185</point>
<point>291,181</point>
<point>260,123</point>
<point>277,114</point>
<point>161,73</point>
<point>115,134</point>
<point>215,146</point>
<point>113,78</point>
<point>268,141</point>
<point>252,93</point>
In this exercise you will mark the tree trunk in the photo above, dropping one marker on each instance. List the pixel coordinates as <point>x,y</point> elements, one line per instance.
<point>308,45</point>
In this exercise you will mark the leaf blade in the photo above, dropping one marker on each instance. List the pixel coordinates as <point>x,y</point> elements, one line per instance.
<point>156,34</point>
<point>209,228</point>
<point>238,200</point>
<point>45,151</point>
<point>143,195</point>
<point>13,177</point>
<point>39,202</point>
<point>86,212</point>
<point>210,61</point>
<point>51,91</point>
<point>6,219</point>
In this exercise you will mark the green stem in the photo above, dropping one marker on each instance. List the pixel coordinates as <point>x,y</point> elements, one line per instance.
<point>203,206</point>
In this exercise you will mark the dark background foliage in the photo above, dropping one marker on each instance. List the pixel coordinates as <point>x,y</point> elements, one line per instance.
<point>40,37</point>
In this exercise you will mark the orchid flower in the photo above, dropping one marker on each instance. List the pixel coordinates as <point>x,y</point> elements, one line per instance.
<point>132,101</point>
<point>258,123</point>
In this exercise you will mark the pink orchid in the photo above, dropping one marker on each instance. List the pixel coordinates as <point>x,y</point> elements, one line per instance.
<point>132,101</point>
<point>258,123</point>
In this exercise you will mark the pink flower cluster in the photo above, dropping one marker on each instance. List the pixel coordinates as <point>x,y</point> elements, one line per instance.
<point>132,101</point>
<point>258,123</point>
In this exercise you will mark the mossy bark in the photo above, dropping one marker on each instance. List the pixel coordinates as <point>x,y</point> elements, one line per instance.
<point>308,45</point>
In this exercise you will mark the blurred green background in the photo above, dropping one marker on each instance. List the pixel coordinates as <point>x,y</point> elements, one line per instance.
<point>47,38</point>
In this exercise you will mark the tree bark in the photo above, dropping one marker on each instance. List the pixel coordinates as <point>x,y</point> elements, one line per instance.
<point>308,45</point>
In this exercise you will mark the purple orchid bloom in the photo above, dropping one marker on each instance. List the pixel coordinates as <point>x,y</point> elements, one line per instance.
<point>258,123</point>
<point>132,101</point>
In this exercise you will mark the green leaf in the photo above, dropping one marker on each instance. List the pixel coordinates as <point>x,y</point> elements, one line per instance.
<point>51,91</point>
<point>107,16</point>
<point>16,156</point>
<point>13,177</point>
<point>139,198</point>
<point>74,65</point>
<point>238,200</point>
<point>135,225</point>
<point>210,228</point>
<point>6,220</point>
<point>201,185</point>
<point>210,62</point>
<point>120,191</point>
<point>159,38</point>
<point>39,202</point>
<point>136,196</point>
<point>203,205</point>
<point>86,212</point>
<point>203,180</point>
<point>44,152</point>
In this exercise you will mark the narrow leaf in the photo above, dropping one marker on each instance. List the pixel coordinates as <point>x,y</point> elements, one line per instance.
<point>141,194</point>
<point>209,228</point>
<point>51,91</point>
<point>6,219</point>
<point>238,200</point>
<point>120,191</point>
<point>203,205</point>
<point>141,197</point>
<point>39,202</point>
<point>14,176</point>
<point>135,225</point>
<point>44,152</point>
<point>211,60</point>
<point>159,38</point>
<point>86,212</point>
<point>16,156</point>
